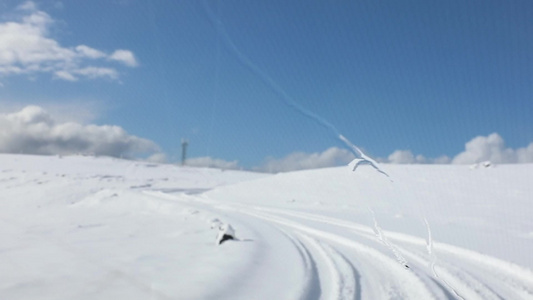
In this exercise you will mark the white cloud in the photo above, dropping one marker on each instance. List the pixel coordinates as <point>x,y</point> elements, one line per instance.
<point>479,149</point>
<point>157,158</point>
<point>525,155</point>
<point>28,5</point>
<point>209,162</point>
<point>75,110</point>
<point>492,148</point>
<point>94,72</point>
<point>442,160</point>
<point>89,52</point>
<point>65,75</point>
<point>406,157</point>
<point>32,130</point>
<point>26,47</point>
<point>300,161</point>
<point>124,56</point>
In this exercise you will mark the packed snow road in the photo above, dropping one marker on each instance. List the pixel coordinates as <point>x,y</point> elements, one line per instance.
<point>101,228</point>
<point>338,259</point>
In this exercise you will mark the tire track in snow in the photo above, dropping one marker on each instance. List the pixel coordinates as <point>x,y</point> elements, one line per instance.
<point>465,286</point>
<point>344,280</point>
<point>308,288</point>
<point>312,288</point>
<point>488,277</point>
<point>498,279</point>
<point>340,279</point>
<point>394,281</point>
<point>476,276</point>
<point>387,280</point>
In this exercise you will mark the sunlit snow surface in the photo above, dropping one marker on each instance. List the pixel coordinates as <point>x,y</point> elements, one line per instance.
<point>101,228</point>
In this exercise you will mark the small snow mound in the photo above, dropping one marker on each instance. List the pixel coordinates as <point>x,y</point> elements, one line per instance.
<point>484,164</point>
<point>226,232</point>
<point>487,164</point>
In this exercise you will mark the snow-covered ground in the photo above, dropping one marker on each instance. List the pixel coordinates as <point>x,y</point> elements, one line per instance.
<point>101,228</point>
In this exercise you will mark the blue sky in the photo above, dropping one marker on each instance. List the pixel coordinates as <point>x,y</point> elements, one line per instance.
<point>412,75</point>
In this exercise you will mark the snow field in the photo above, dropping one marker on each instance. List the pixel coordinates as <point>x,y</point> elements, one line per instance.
<point>102,228</point>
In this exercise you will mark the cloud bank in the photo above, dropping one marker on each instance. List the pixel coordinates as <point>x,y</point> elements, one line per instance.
<point>405,157</point>
<point>295,161</point>
<point>26,48</point>
<point>479,149</point>
<point>158,157</point>
<point>32,130</point>
<point>300,161</point>
<point>492,148</point>
<point>209,162</point>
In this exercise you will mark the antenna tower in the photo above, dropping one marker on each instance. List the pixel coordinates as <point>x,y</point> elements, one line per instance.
<point>184,144</point>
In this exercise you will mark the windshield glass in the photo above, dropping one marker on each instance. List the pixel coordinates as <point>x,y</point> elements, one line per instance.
<point>399,133</point>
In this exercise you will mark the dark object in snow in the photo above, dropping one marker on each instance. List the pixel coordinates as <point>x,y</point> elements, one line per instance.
<point>226,232</point>
<point>224,238</point>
